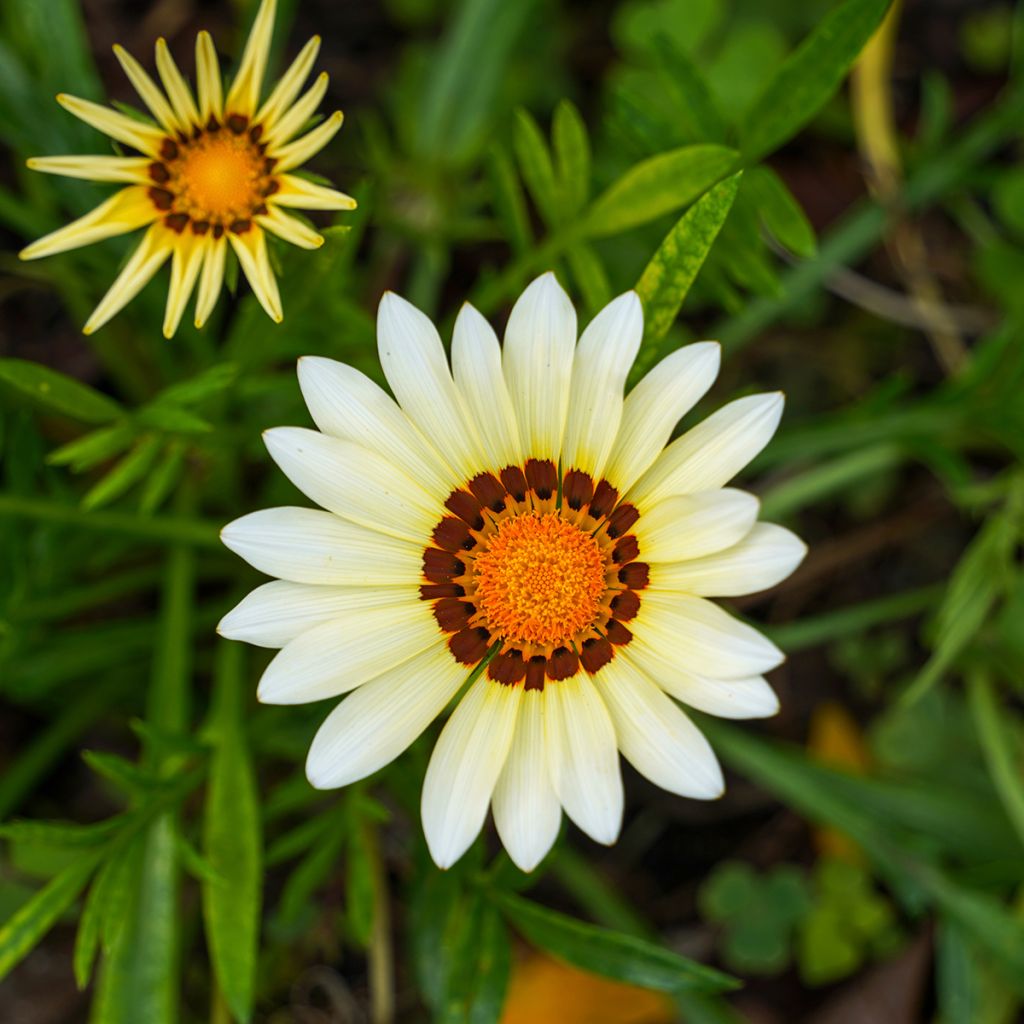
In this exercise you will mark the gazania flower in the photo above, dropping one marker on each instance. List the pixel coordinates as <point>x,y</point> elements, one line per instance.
<point>210,171</point>
<point>513,531</point>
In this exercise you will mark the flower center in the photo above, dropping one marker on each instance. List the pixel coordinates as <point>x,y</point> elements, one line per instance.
<point>540,580</point>
<point>218,178</point>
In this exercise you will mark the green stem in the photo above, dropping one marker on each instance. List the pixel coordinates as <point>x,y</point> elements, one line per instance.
<point>165,530</point>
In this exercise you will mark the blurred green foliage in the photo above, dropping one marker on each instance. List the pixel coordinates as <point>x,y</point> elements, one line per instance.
<point>203,870</point>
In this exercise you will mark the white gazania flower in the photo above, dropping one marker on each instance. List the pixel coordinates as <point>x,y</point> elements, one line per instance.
<point>514,524</point>
<point>210,170</point>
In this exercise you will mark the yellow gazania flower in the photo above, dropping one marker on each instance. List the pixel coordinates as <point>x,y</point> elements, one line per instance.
<point>210,170</point>
<point>512,523</point>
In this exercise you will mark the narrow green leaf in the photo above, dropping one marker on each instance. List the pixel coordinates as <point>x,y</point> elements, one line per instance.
<point>666,280</point>
<point>95,913</point>
<point>163,478</point>
<point>590,276</point>
<point>60,833</point>
<point>129,471</point>
<point>509,201</point>
<point>572,157</point>
<point>58,392</point>
<point>694,104</point>
<point>20,932</point>
<point>536,167</point>
<point>93,448</point>
<point>232,842</point>
<point>173,419</point>
<point>138,980</point>
<point>493,954</point>
<point>656,186</point>
<point>126,776</point>
<point>213,381</point>
<point>990,722</point>
<point>809,77</point>
<point>360,886</point>
<point>622,957</point>
<point>780,212</point>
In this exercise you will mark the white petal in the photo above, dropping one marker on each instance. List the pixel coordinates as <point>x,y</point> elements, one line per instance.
<point>584,757</point>
<point>526,810</point>
<point>654,407</point>
<point>726,698</point>
<point>713,452</point>
<point>605,352</point>
<point>688,632</point>
<point>765,556</point>
<point>370,728</point>
<point>692,525</point>
<point>347,404</point>
<point>306,545</point>
<point>537,361</point>
<point>476,367</point>
<point>656,736</point>
<point>414,363</point>
<point>465,766</point>
<point>340,655</point>
<point>352,482</point>
<point>277,612</point>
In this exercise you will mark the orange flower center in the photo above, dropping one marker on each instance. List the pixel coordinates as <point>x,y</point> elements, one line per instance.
<point>219,176</point>
<point>540,580</point>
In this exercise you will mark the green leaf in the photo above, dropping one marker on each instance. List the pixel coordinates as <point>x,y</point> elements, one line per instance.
<point>99,914</point>
<point>622,957</point>
<point>666,280</point>
<point>58,392</point>
<point>232,842</point>
<point>132,468</point>
<point>973,588</point>
<point>536,167</point>
<point>781,213</point>
<point>162,478</point>
<point>93,448</point>
<point>138,979</point>
<point>590,276</point>
<point>656,186</point>
<point>20,933</point>
<point>173,419</point>
<point>572,157</point>
<point>694,104</point>
<point>360,883</point>
<point>214,381</point>
<point>509,201</point>
<point>126,776</point>
<point>60,833</point>
<point>809,77</point>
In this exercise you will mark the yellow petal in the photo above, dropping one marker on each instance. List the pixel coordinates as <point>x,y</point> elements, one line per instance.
<point>291,229</point>
<point>251,249</point>
<point>288,87</point>
<point>125,211</point>
<point>307,195</point>
<point>151,94</point>
<point>244,95</point>
<point>121,127</point>
<point>188,258</point>
<point>208,79</point>
<point>211,279</point>
<point>176,86</point>
<point>293,121</point>
<point>95,168</point>
<point>153,250</point>
<point>299,151</point>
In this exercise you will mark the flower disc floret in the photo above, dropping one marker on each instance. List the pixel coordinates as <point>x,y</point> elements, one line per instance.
<point>540,580</point>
